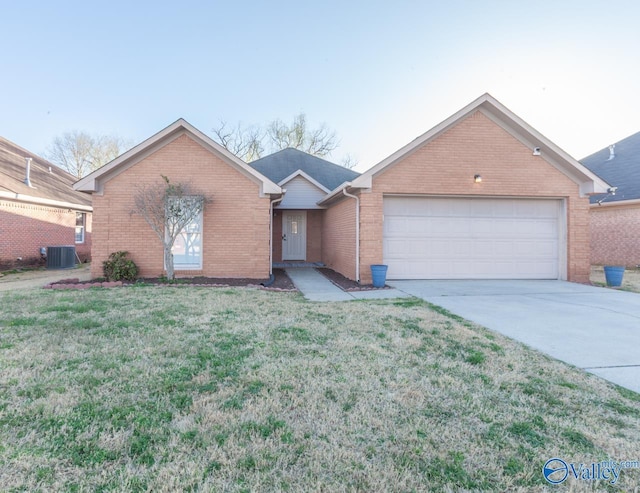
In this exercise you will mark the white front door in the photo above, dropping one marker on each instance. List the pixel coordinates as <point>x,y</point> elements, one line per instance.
<point>294,235</point>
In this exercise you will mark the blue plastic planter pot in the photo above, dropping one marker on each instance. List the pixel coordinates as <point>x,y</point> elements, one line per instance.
<point>613,275</point>
<point>379,275</point>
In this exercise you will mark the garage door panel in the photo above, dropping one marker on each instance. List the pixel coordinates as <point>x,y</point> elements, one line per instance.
<point>474,238</point>
<point>395,225</point>
<point>536,250</point>
<point>483,248</point>
<point>396,249</point>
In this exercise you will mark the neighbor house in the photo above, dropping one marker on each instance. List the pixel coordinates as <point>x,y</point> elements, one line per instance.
<point>615,216</point>
<point>39,208</point>
<point>481,196</point>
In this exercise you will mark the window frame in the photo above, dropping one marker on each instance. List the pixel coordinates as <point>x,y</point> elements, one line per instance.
<point>81,227</point>
<point>183,237</point>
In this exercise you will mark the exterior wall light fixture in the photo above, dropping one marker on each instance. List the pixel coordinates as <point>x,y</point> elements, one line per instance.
<point>477,178</point>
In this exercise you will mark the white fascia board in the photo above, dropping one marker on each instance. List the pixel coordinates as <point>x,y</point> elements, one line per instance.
<point>304,175</point>
<point>365,180</point>
<point>336,191</point>
<point>91,182</point>
<point>619,203</point>
<point>20,197</point>
<point>588,182</point>
<point>266,185</point>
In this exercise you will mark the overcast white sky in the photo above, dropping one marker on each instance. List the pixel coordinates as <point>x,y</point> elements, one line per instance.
<point>378,72</point>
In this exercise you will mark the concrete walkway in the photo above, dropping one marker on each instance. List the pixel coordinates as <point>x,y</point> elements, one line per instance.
<point>596,329</point>
<point>315,287</point>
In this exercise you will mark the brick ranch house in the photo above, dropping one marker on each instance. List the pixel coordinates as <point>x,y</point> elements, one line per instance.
<point>481,195</point>
<point>38,208</point>
<point>615,218</point>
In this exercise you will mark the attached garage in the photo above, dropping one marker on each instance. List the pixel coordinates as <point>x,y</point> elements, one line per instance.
<point>474,238</point>
<point>482,195</point>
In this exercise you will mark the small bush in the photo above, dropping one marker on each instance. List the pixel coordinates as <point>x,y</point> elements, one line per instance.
<point>119,268</point>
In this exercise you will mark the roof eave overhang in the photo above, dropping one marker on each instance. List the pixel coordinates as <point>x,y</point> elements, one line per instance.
<point>588,182</point>
<point>335,194</point>
<point>618,203</point>
<point>94,182</point>
<point>20,197</point>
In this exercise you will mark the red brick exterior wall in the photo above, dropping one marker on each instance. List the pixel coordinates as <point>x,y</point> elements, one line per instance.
<point>277,235</point>
<point>339,237</point>
<point>314,235</point>
<point>25,228</point>
<point>615,235</point>
<point>235,233</point>
<point>446,166</point>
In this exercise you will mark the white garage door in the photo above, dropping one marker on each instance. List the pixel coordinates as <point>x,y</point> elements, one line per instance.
<point>471,238</point>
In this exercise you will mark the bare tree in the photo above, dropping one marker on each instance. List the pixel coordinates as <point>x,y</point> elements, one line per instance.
<point>252,142</point>
<point>349,161</point>
<point>319,142</point>
<point>244,142</point>
<point>80,153</point>
<point>168,208</point>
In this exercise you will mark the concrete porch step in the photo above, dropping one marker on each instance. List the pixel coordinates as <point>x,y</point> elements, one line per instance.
<point>295,263</point>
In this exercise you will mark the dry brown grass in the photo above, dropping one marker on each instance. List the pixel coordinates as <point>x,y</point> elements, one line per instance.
<point>187,389</point>
<point>630,280</point>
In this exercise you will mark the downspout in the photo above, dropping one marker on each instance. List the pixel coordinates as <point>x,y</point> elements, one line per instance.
<point>272,203</point>
<point>344,191</point>
<point>27,174</point>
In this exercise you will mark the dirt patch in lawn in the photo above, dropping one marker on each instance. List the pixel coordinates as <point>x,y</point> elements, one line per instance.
<point>630,280</point>
<point>344,283</point>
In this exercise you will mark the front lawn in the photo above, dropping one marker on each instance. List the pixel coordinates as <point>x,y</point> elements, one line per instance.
<point>205,389</point>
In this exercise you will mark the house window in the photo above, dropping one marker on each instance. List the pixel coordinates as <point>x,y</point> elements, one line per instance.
<point>81,219</point>
<point>187,249</point>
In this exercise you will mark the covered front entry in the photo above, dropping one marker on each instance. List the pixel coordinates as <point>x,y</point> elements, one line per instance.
<point>294,235</point>
<point>474,238</point>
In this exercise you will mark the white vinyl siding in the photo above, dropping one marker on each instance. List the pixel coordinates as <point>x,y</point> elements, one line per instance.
<point>301,194</point>
<point>472,238</point>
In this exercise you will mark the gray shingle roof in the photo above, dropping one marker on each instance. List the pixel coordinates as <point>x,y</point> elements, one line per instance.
<point>283,163</point>
<point>623,171</point>
<point>54,185</point>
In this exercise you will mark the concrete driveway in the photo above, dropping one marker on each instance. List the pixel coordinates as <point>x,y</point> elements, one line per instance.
<point>596,329</point>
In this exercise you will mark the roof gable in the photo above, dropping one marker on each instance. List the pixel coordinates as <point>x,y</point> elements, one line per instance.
<point>94,181</point>
<point>302,175</point>
<point>588,182</point>
<point>622,171</point>
<point>51,185</point>
<point>302,192</point>
<point>285,163</point>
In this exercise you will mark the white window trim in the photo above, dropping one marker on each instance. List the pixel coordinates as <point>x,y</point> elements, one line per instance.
<point>191,266</point>
<point>83,228</point>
